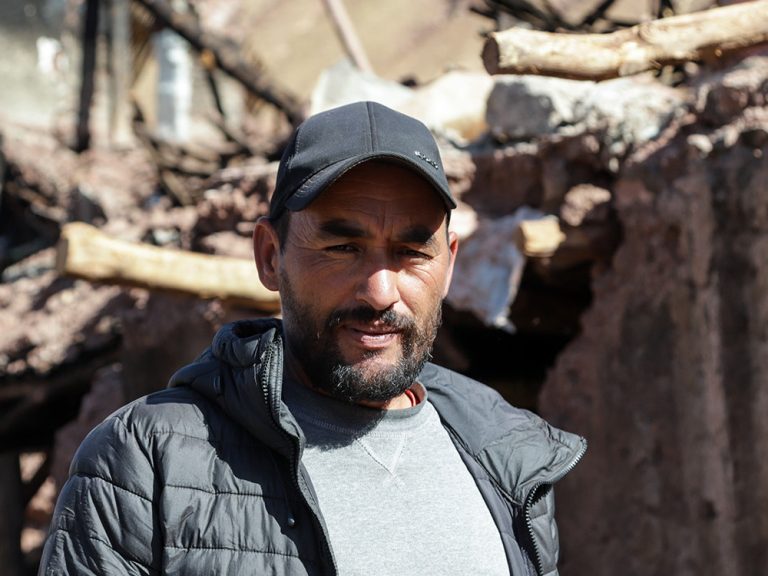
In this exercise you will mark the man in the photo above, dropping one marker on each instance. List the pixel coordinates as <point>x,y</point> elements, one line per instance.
<point>326,443</point>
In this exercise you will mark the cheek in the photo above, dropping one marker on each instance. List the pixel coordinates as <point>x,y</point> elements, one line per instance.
<point>423,291</point>
<point>320,288</point>
<point>308,271</point>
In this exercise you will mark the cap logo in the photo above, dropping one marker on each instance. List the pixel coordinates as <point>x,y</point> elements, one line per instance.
<point>427,159</point>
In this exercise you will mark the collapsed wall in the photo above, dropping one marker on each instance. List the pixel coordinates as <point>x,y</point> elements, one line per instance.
<point>667,378</point>
<point>661,374</point>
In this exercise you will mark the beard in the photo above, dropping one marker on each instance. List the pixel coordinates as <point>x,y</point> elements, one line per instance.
<point>315,347</point>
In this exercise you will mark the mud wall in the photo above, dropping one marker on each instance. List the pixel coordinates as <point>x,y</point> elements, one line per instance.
<point>668,377</point>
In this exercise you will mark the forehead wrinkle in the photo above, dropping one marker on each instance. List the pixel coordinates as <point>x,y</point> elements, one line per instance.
<point>361,216</point>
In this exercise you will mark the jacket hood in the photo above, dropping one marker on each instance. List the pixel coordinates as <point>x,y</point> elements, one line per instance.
<point>242,372</point>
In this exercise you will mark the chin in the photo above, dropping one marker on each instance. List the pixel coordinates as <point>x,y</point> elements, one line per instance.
<point>376,361</point>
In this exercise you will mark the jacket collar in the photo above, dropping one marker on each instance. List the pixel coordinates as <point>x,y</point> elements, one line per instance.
<point>242,372</point>
<point>518,450</point>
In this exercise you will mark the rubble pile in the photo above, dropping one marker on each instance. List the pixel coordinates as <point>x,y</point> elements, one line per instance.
<point>538,216</point>
<point>610,273</point>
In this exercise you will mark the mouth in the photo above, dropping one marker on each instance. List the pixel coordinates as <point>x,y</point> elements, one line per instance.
<point>374,336</point>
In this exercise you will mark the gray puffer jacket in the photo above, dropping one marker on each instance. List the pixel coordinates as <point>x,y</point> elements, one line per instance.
<point>206,476</point>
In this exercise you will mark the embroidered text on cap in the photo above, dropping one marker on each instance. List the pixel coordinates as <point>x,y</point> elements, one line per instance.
<point>426,159</point>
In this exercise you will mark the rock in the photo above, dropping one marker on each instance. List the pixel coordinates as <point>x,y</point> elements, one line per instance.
<point>524,107</point>
<point>585,203</point>
<point>632,11</point>
<point>624,113</point>
<point>574,12</point>
<point>489,268</point>
<point>163,332</point>
<point>688,6</point>
<point>630,111</point>
<point>452,105</point>
<point>343,84</point>
<point>724,95</point>
<point>497,181</point>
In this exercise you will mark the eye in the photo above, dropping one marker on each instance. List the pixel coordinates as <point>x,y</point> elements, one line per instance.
<point>342,248</point>
<point>413,253</point>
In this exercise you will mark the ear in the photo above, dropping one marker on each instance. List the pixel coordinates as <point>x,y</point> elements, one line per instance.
<point>266,252</point>
<point>453,247</point>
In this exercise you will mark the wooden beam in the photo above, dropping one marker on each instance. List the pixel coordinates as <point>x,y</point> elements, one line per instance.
<point>86,252</point>
<point>690,37</point>
<point>346,32</point>
<point>88,74</point>
<point>226,58</point>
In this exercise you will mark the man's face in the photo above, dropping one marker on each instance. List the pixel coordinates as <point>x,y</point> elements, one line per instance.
<point>362,277</point>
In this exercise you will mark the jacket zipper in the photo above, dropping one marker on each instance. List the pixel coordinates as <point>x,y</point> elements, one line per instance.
<point>294,459</point>
<point>532,499</point>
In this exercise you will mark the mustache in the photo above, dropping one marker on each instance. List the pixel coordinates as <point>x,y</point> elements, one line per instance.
<point>389,318</point>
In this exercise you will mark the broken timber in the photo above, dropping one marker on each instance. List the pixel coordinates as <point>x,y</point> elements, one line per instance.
<point>86,252</point>
<point>689,37</point>
<point>346,31</point>
<point>227,58</point>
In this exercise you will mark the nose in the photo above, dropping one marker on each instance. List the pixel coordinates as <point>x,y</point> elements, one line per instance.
<point>379,288</point>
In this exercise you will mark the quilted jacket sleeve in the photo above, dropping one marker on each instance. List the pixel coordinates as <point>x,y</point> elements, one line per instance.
<point>104,522</point>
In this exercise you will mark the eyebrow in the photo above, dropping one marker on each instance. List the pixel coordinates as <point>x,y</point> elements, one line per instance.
<point>340,228</point>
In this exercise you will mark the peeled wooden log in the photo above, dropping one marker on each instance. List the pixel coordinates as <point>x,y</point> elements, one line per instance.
<point>86,252</point>
<point>674,40</point>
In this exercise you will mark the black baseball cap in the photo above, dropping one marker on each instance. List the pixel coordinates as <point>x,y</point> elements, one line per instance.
<point>327,145</point>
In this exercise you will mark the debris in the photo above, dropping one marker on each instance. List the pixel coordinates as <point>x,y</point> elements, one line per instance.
<point>226,58</point>
<point>540,238</point>
<point>521,107</point>
<point>88,76</point>
<point>452,105</point>
<point>490,267</point>
<point>343,83</point>
<point>624,112</point>
<point>585,203</point>
<point>551,181</point>
<point>346,31</point>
